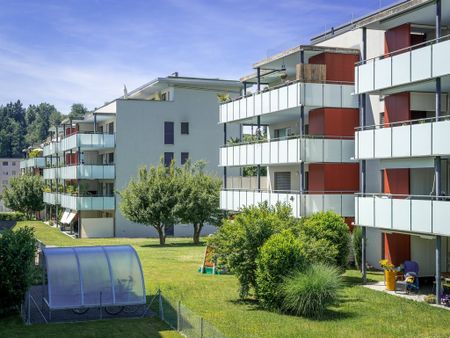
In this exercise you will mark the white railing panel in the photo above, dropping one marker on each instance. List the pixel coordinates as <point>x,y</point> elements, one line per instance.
<point>441,133</point>
<point>421,139</point>
<point>421,216</point>
<point>243,154</point>
<point>383,143</point>
<point>236,154</point>
<point>441,210</point>
<point>313,94</point>
<point>366,211</point>
<point>265,102</point>
<point>401,214</point>
<point>421,63</point>
<point>283,151</point>
<point>383,212</point>
<point>251,153</point>
<point>293,151</point>
<point>401,69</point>
<point>312,150</point>
<point>441,65</point>
<point>332,202</point>
<point>265,150</point>
<point>229,111</point>
<point>383,73</point>
<point>258,153</point>
<point>274,96</point>
<point>401,145</point>
<point>258,104</point>
<point>250,106</point>
<point>223,200</point>
<point>349,100</point>
<point>348,205</point>
<point>230,156</point>
<point>236,110</point>
<point>348,150</point>
<point>283,97</point>
<point>332,96</point>
<point>332,150</point>
<point>365,143</point>
<point>365,77</point>
<point>273,152</point>
<point>293,96</point>
<point>235,200</point>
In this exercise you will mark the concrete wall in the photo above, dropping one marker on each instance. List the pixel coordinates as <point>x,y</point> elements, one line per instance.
<point>140,140</point>
<point>97,227</point>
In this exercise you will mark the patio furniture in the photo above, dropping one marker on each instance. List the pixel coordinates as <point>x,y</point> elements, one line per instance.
<point>410,279</point>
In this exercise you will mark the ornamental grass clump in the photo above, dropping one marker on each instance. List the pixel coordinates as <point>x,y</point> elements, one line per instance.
<point>310,292</point>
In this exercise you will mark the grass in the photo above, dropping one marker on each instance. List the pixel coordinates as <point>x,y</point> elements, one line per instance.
<point>173,268</point>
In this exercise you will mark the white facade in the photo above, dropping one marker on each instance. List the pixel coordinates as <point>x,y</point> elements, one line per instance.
<point>9,168</point>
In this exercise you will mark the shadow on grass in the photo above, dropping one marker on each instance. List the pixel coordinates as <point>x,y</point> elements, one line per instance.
<point>172,245</point>
<point>350,281</point>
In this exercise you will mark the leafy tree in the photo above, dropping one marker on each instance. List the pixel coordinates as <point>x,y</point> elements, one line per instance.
<point>237,242</point>
<point>24,194</point>
<point>151,198</point>
<point>198,198</point>
<point>38,121</point>
<point>78,110</point>
<point>12,129</point>
<point>17,249</point>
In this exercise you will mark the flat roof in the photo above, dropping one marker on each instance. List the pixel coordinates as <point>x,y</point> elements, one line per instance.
<point>384,13</point>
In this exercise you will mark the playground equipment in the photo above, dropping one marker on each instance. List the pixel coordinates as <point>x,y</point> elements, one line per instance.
<point>209,266</point>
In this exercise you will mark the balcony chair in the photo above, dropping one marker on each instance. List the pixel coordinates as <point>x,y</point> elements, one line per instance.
<point>409,282</point>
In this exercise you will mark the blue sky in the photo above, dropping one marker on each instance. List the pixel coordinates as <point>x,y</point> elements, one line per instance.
<point>67,51</point>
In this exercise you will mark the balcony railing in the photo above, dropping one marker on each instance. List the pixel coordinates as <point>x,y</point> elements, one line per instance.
<point>302,204</point>
<point>51,149</point>
<point>82,172</point>
<point>293,149</point>
<point>87,141</point>
<point>87,202</point>
<point>416,63</point>
<point>416,138</point>
<point>37,162</point>
<point>409,213</point>
<point>51,198</point>
<point>290,95</point>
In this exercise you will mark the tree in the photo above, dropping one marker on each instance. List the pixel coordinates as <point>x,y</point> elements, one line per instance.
<point>12,129</point>
<point>78,110</point>
<point>151,198</point>
<point>198,198</point>
<point>39,120</point>
<point>24,194</point>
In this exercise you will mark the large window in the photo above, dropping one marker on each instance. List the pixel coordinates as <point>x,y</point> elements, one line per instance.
<point>168,157</point>
<point>184,157</point>
<point>184,128</point>
<point>168,133</point>
<point>282,181</point>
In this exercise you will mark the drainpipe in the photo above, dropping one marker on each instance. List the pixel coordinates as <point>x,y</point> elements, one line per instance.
<point>362,109</point>
<point>302,134</point>
<point>225,167</point>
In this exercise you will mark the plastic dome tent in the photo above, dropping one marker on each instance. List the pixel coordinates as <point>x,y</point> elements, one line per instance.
<point>93,276</point>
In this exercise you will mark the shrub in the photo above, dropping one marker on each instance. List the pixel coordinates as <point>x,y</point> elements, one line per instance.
<point>310,292</point>
<point>12,216</point>
<point>280,255</point>
<point>332,228</point>
<point>17,249</point>
<point>357,246</point>
<point>237,242</point>
<point>318,250</point>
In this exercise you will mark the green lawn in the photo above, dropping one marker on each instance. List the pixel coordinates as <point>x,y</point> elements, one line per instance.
<point>173,268</point>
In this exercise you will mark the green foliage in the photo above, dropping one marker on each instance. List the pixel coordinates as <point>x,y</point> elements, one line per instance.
<point>151,198</point>
<point>198,198</point>
<point>331,228</point>
<point>24,194</point>
<point>17,249</point>
<point>12,129</point>
<point>223,97</point>
<point>279,255</point>
<point>12,216</point>
<point>237,242</point>
<point>35,153</point>
<point>38,122</point>
<point>78,110</point>
<point>310,292</point>
<point>318,250</point>
<point>357,245</point>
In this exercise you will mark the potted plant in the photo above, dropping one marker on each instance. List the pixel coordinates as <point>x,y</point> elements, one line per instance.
<point>390,272</point>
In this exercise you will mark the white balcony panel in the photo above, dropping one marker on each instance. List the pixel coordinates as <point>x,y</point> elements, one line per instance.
<point>236,154</point>
<point>349,100</point>
<point>313,94</point>
<point>383,143</point>
<point>274,97</point>
<point>441,133</point>
<point>365,144</point>
<point>283,98</point>
<point>258,153</point>
<point>421,216</point>
<point>293,95</point>
<point>265,152</point>
<point>401,72</point>
<point>383,73</point>
<point>51,198</point>
<point>236,110</point>
<point>250,101</point>
<point>50,173</point>
<point>365,77</point>
<point>332,203</point>
<point>365,211</point>
<point>421,64</point>
<point>332,95</point>
<point>51,149</point>
<point>441,64</point>
<point>348,205</point>
<point>229,111</point>
<point>293,151</point>
<point>223,200</point>
<point>283,151</point>
<point>250,154</point>
<point>421,139</point>
<point>243,155</point>
<point>401,214</point>
<point>274,152</point>
<point>383,212</point>
<point>400,141</point>
<point>258,104</point>
<point>265,102</point>
<point>441,211</point>
<point>236,202</point>
<point>332,150</point>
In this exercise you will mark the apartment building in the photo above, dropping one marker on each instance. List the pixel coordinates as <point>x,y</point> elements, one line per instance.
<point>9,168</point>
<point>402,142</point>
<point>34,161</point>
<point>303,116</point>
<point>88,160</point>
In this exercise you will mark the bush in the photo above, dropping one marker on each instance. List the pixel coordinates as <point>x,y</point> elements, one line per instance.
<point>330,227</point>
<point>17,249</point>
<point>280,255</point>
<point>237,242</point>
<point>12,216</point>
<point>310,292</point>
<point>357,246</point>
<point>318,250</point>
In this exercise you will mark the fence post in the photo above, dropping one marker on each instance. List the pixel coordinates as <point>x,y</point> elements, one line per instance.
<point>179,316</point>
<point>161,309</point>
<point>201,327</point>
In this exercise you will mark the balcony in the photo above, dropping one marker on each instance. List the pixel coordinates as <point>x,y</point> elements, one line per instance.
<point>87,141</point>
<point>302,204</point>
<point>81,172</point>
<point>417,138</point>
<point>408,213</point>
<point>87,202</point>
<point>51,198</point>
<point>288,96</point>
<point>416,63</point>
<point>51,173</point>
<point>37,162</point>
<point>51,148</point>
<point>288,151</point>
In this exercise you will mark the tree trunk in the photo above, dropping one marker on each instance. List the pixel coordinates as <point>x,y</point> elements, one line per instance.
<point>197,230</point>
<point>162,234</point>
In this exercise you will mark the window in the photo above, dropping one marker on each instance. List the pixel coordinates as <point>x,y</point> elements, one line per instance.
<point>165,96</point>
<point>13,173</point>
<point>184,128</point>
<point>5,173</point>
<point>381,118</point>
<point>111,128</point>
<point>13,163</point>
<point>282,181</point>
<point>110,158</point>
<point>168,133</point>
<point>5,164</point>
<point>184,157</point>
<point>5,183</point>
<point>168,157</point>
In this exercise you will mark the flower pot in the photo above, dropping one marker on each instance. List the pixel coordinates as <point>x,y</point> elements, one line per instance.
<point>389,277</point>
